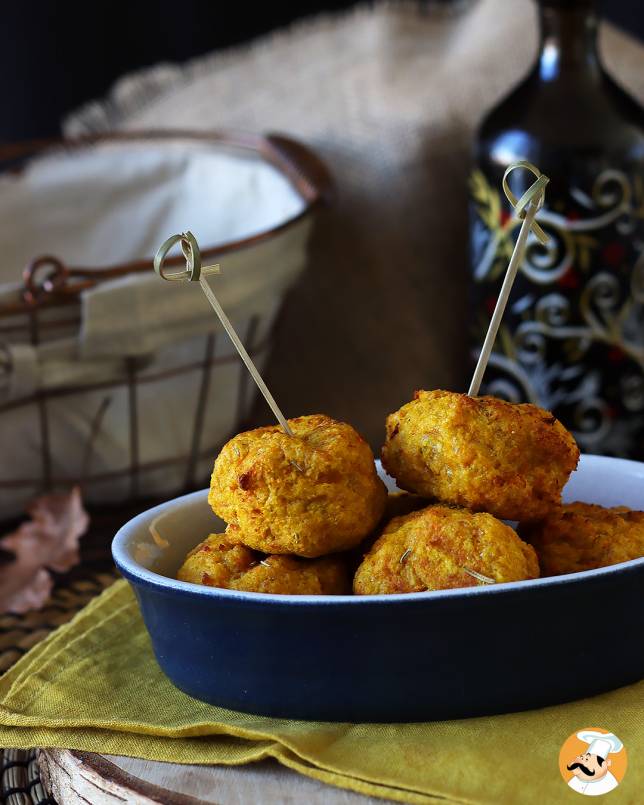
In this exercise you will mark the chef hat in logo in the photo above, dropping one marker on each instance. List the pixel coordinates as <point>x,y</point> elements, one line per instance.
<point>600,744</point>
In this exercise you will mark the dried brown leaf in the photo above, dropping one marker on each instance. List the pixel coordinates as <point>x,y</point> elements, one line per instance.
<point>20,595</point>
<point>63,521</point>
<point>48,540</point>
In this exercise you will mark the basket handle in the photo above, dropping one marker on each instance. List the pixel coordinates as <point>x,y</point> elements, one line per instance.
<point>306,170</point>
<point>52,282</point>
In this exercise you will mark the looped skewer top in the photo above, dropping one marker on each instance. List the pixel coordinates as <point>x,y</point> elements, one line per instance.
<point>190,248</point>
<point>535,194</point>
<point>525,208</point>
<point>195,272</point>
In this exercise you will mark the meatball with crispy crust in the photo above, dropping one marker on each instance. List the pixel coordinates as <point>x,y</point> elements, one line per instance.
<point>290,575</point>
<point>583,536</point>
<point>443,547</point>
<point>480,452</point>
<point>216,562</point>
<point>310,494</point>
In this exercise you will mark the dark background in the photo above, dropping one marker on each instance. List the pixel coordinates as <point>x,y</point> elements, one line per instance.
<point>55,56</point>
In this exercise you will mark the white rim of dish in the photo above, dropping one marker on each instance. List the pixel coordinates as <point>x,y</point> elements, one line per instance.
<point>133,569</point>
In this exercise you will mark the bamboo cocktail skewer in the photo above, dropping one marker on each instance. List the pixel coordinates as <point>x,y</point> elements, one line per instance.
<point>526,208</point>
<point>195,272</point>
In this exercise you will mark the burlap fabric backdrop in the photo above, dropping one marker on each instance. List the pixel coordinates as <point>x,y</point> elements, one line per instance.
<point>389,97</point>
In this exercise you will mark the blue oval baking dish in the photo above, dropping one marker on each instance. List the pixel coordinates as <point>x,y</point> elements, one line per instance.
<point>417,657</point>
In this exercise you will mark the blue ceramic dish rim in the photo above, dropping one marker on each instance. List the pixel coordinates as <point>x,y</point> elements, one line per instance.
<point>134,572</point>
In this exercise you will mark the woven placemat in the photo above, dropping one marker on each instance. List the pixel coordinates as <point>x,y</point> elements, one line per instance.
<point>18,633</point>
<point>20,779</point>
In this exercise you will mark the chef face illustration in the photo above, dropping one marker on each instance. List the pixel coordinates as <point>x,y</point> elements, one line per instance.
<point>591,769</point>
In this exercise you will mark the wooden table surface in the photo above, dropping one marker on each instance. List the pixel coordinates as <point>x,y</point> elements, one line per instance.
<point>76,778</point>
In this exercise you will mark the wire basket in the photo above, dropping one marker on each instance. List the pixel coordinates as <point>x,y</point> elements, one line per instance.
<point>107,376</point>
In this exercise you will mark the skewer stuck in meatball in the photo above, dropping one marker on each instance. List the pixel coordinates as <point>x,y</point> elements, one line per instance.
<point>480,452</point>
<point>310,494</point>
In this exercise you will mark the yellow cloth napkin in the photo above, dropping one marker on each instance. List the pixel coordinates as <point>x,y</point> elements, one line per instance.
<point>94,685</point>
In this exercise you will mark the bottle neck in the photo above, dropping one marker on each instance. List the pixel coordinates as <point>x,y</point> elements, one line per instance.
<point>568,39</point>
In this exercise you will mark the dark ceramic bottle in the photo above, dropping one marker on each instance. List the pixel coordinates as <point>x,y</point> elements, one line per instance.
<point>572,338</point>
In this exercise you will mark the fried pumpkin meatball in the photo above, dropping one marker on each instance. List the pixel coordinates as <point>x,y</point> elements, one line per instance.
<point>480,452</point>
<point>216,562</point>
<point>441,547</point>
<point>314,493</point>
<point>583,536</point>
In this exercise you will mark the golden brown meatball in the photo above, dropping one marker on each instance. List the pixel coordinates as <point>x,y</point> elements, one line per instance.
<point>441,547</point>
<point>216,562</point>
<point>291,575</point>
<point>486,454</point>
<point>311,494</point>
<point>582,536</point>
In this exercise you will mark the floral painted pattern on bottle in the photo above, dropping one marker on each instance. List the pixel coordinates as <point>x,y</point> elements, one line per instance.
<point>572,339</point>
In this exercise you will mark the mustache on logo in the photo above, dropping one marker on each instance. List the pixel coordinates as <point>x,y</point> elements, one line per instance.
<point>581,766</point>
